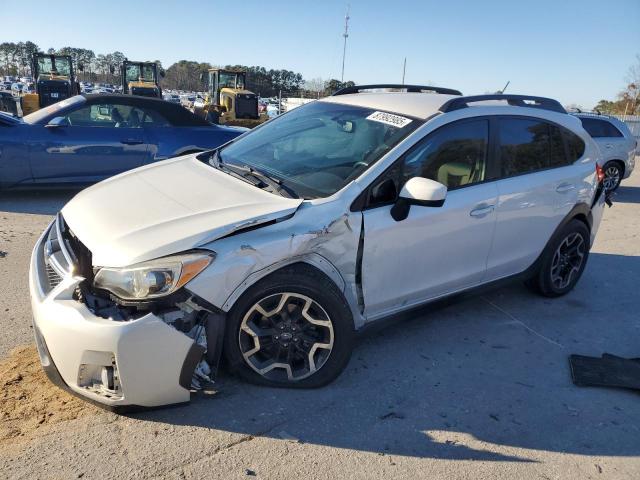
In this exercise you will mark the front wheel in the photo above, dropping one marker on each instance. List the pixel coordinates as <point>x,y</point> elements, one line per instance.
<point>292,329</point>
<point>563,261</point>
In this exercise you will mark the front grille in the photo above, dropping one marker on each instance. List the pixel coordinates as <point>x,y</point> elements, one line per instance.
<point>59,257</point>
<point>246,106</point>
<point>53,278</point>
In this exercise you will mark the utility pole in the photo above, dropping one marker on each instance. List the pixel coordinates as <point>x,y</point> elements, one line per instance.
<point>345,35</point>
<point>404,69</point>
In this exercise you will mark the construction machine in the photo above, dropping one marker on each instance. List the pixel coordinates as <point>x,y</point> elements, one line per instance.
<point>141,78</point>
<point>54,81</point>
<point>227,101</point>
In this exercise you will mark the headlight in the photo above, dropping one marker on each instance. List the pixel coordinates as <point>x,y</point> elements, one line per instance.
<point>152,279</point>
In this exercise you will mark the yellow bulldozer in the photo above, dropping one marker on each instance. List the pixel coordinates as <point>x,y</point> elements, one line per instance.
<point>141,78</point>
<point>228,102</point>
<point>54,81</point>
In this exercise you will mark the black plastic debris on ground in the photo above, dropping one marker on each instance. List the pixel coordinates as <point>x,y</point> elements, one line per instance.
<point>608,371</point>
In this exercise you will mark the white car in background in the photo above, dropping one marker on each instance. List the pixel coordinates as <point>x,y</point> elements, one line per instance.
<point>275,248</point>
<point>617,145</point>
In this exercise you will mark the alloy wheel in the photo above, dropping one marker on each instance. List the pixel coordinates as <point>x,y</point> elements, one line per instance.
<point>286,337</point>
<point>567,261</point>
<point>611,177</point>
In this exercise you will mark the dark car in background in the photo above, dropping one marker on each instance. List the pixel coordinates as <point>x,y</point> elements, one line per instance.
<point>87,138</point>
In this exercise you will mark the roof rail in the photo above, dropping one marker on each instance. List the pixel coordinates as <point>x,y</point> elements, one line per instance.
<point>596,113</point>
<point>513,100</point>
<point>399,86</point>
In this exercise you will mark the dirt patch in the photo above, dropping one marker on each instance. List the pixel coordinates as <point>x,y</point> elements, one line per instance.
<point>29,401</point>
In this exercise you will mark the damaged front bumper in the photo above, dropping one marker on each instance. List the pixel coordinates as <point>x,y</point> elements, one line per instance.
<point>142,361</point>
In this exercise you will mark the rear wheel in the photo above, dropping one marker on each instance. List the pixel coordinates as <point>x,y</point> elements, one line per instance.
<point>612,176</point>
<point>292,329</point>
<point>563,261</point>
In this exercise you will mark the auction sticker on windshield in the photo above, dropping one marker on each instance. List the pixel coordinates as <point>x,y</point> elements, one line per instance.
<point>389,119</point>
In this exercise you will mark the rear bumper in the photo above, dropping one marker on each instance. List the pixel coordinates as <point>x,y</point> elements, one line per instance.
<point>142,362</point>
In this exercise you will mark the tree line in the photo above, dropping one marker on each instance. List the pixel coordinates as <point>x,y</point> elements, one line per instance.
<point>187,75</point>
<point>627,102</point>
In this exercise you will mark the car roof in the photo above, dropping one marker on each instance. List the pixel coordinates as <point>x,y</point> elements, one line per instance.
<point>411,104</point>
<point>423,106</point>
<point>175,113</point>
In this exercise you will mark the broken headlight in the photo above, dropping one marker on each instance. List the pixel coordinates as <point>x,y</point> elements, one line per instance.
<point>152,279</point>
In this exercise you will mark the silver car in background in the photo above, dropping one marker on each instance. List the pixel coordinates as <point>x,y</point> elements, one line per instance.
<point>617,145</point>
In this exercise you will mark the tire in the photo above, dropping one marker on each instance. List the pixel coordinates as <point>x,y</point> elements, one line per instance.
<point>319,350</point>
<point>613,172</point>
<point>558,259</point>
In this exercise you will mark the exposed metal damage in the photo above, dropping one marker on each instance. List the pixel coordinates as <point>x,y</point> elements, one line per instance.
<point>186,315</point>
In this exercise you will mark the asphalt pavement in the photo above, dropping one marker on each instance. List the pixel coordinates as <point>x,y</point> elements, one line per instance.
<point>477,388</point>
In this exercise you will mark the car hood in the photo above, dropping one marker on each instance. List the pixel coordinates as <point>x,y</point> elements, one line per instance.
<point>166,208</point>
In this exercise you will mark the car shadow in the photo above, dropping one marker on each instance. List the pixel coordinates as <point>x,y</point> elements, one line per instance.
<point>627,194</point>
<point>469,379</point>
<point>39,202</point>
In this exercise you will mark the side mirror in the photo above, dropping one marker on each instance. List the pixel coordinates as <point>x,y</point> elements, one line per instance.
<point>112,69</point>
<point>418,191</point>
<point>162,72</point>
<point>57,122</point>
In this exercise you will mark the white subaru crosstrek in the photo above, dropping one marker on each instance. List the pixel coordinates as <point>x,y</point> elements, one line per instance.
<point>274,249</point>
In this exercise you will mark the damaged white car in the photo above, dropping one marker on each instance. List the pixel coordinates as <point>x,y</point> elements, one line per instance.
<point>272,251</point>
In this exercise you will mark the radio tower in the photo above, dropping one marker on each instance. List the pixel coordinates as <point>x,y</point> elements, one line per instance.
<point>345,35</point>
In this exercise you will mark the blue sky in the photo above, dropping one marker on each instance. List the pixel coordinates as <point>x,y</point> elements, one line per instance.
<point>577,51</point>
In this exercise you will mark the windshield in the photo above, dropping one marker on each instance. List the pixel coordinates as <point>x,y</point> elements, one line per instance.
<point>137,72</point>
<point>229,80</point>
<point>38,116</point>
<point>318,148</point>
<point>46,67</point>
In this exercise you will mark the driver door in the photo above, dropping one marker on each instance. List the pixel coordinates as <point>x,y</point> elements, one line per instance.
<point>96,141</point>
<point>435,250</point>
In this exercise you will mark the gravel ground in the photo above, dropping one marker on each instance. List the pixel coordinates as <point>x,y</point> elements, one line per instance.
<point>478,388</point>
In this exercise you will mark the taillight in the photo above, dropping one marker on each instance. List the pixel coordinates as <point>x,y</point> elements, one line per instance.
<point>599,173</point>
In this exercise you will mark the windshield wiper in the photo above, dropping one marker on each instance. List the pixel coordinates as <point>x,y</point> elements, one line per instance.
<point>264,179</point>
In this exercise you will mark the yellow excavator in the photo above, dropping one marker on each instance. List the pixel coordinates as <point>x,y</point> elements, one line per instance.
<point>141,78</point>
<point>54,81</point>
<point>228,102</point>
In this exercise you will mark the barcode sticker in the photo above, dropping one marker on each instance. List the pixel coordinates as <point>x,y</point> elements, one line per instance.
<point>389,119</point>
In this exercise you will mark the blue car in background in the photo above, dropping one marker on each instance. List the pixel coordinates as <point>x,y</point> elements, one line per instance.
<point>87,138</point>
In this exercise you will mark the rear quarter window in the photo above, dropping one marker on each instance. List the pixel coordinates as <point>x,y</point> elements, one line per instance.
<point>575,146</point>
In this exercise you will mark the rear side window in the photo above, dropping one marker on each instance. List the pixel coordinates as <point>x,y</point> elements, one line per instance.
<point>524,146</point>
<point>600,128</point>
<point>529,145</point>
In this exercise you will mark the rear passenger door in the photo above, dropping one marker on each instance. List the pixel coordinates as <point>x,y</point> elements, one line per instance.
<point>537,189</point>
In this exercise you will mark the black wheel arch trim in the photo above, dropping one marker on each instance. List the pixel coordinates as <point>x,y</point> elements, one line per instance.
<point>581,212</point>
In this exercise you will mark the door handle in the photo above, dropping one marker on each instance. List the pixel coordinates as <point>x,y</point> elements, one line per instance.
<point>482,211</point>
<point>131,141</point>
<point>565,187</point>
<point>609,145</point>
